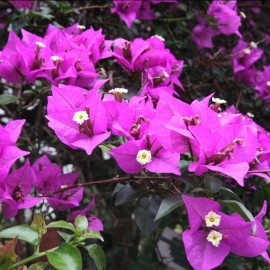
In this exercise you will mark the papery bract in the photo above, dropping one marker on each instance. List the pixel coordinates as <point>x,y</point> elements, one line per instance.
<point>63,105</point>
<point>15,188</point>
<point>9,152</point>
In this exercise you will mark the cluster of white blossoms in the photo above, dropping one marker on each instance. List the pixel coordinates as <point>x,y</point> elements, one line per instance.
<point>213,219</point>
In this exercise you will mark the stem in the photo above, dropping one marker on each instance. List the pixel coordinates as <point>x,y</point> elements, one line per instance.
<point>113,180</point>
<point>259,171</point>
<point>31,258</point>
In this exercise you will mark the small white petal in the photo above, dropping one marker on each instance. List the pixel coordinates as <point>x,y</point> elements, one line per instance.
<point>80,116</point>
<point>40,44</point>
<point>214,237</point>
<point>144,157</point>
<point>253,44</point>
<point>81,27</point>
<point>218,100</point>
<point>159,37</point>
<point>212,219</point>
<point>56,58</point>
<point>247,51</point>
<point>118,90</point>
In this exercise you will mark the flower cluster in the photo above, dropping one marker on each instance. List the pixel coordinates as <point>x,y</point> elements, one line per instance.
<point>129,10</point>
<point>213,234</point>
<point>68,56</point>
<point>221,18</point>
<point>158,67</point>
<point>228,143</point>
<point>45,178</point>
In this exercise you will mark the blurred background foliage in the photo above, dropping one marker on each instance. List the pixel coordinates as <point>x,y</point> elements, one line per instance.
<point>205,72</point>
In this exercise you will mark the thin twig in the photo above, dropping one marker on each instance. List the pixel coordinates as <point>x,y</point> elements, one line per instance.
<point>112,180</point>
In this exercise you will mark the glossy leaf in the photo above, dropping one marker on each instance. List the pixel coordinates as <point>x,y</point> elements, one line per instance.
<point>81,223</point>
<point>239,208</point>
<point>65,257</point>
<point>227,192</point>
<point>145,212</point>
<point>93,235</point>
<point>67,237</point>
<point>168,205</point>
<point>6,99</point>
<point>62,224</point>
<point>23,232</point>
<point>38,266</point>
<point>97,254</point>
<point>128,194</point>
<point>39,224</point>
<point>212,183</point>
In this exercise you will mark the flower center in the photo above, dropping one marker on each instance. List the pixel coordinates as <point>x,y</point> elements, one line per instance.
<point>212,219</point>
<point>80,116</point>
<point>17,194</point>
<point>144,157</point>
<point>247,51</point>
<point>253,44</point>
<point>214,237</point>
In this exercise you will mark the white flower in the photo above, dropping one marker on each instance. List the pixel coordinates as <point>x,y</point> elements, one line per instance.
<point>243,15</point>
<point>212,219</point>
<point>159,37</point>
<point>144,157</point>
<point>81,27</point>
<point>214,237</point>
<point>268,83</point>
<point>165,74</point>
<point>218,100</point>
<point>40,44</point>
<point>118,90</point>
<point>253,44</point>
<point>247,51</point>
<point>56,58</point>
<point>80,116</point>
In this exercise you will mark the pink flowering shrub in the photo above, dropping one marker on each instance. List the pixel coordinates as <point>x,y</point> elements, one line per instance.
<point>151,136</point>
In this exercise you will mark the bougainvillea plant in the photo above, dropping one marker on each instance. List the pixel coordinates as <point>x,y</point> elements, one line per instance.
<point>134,135</point>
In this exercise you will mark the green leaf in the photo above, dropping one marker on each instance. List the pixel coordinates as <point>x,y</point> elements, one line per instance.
<point>145,212</point>
<point>106,148</point>
<point>65,257</point>
<point>38,266</point>
<point>81,223</point>
<point>230,193</point>
<point>212,183</point>
<point>97,254</point>
<point>128,194</point>
<point>117,188</point>
<point>67,237</point>
<point>39,224</point>
<point>198,189</point>
<point>239,208</point>
<point>7,99</point>
<point>62,224</point>
<point>93,235</point>
<point>23,232</point>
<point>6,265</point>
<point>168,205</point>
